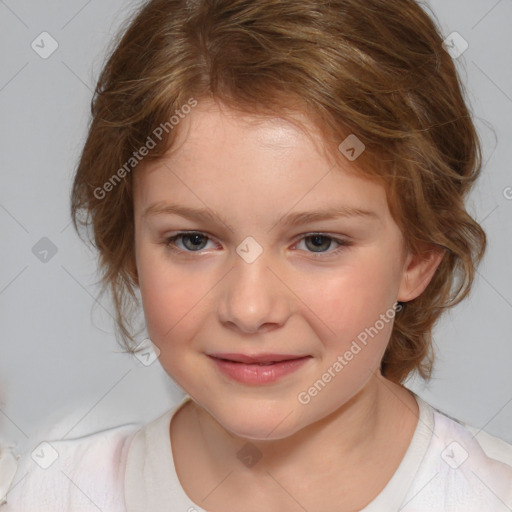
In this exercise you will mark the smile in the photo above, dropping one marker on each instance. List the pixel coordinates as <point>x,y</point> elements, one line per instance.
<point>257,372</point>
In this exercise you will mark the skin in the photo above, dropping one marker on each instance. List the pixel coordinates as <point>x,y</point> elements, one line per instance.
<point>340,449</point>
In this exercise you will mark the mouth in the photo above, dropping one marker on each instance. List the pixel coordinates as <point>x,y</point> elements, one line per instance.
<point>261,359</point>
<point>258,369</point>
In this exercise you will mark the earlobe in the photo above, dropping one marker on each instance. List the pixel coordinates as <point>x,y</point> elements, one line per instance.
<point>419,269</point>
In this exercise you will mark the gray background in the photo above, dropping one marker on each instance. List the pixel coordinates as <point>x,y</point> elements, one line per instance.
<point>59,357</point>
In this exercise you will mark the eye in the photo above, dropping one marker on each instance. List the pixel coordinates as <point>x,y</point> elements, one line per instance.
<point>192,241</point>
<point>320,241</point>
<point>316,243</point>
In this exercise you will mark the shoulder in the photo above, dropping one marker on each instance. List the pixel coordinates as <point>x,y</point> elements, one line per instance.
<point>8,465</point>
<point>85,473</point>
<point>464,469</point>
<point>478,445</point>
<point>494,447</point>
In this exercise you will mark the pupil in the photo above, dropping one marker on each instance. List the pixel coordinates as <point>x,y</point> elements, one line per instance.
<point>317,241</point>
<point>195,240</point>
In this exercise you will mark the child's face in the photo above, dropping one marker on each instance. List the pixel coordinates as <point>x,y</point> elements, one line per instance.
<point>301,296</point>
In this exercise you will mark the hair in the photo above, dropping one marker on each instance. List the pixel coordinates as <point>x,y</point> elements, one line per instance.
<point>376,69</point>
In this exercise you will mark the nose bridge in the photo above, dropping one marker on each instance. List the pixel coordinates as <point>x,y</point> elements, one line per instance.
<point>252,295</point>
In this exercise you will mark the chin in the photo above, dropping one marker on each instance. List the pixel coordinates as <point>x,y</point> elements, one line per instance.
<point>258,432</point>
<point>258,426</point>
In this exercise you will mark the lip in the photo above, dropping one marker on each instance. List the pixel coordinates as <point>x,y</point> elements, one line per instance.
<point>254,373</point>
<point>257,358</point>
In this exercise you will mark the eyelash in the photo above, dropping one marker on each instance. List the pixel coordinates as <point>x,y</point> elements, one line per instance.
<point>343,244</point>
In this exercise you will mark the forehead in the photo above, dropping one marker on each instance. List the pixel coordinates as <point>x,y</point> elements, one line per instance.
<point>214,120</point>
<point>249,159</point>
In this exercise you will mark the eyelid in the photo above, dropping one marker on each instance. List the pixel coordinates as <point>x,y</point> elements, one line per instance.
<point>342,242</point>
<point>169,239</point>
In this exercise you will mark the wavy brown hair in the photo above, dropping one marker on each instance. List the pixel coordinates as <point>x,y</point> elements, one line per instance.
<point>376,69</point>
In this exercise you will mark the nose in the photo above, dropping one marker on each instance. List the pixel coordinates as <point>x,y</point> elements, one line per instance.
<point>253,297</point>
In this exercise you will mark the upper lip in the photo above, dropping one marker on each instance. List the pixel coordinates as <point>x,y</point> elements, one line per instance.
<point>257,358</point>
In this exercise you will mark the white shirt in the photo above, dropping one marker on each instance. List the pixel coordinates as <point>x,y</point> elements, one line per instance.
<point>448,467</point>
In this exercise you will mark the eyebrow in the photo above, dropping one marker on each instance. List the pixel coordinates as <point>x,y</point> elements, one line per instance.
<point>291,219</point>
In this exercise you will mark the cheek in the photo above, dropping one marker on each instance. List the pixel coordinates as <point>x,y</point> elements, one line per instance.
<point>176,301</point>
<point>166,296</point>
<point>358,288</point>
<point>173,316</point>
<point>348,303</point>
<point>166,305</point>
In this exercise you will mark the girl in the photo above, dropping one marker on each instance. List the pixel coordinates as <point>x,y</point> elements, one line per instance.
<point>283,182</point>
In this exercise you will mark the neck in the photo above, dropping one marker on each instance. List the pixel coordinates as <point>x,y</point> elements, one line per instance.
<point>338,443</point>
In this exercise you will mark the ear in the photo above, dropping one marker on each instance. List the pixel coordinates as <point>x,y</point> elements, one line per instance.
<point>419,269</point>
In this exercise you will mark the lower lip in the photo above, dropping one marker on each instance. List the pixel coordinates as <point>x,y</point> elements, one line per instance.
<point>258,374</point>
